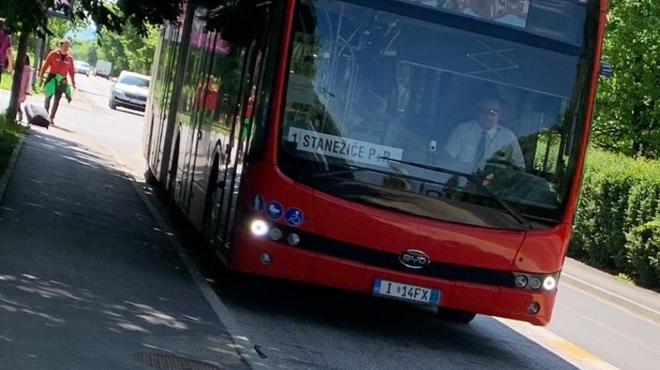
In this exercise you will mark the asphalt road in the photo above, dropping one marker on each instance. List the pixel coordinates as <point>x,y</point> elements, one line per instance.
<point>301,327</point>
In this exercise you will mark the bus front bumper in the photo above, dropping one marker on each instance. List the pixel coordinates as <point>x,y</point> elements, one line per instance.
<point>264,257</point>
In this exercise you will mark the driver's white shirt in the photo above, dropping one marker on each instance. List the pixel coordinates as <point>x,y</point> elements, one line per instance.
<point>463,142</point>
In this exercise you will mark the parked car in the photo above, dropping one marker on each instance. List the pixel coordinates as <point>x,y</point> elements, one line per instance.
<point>130,90</point>
<point>82,67</point>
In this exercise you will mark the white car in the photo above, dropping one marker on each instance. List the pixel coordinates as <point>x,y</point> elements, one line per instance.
<point>82,67</point>
<point>130,90</point>
<point>103,69</point>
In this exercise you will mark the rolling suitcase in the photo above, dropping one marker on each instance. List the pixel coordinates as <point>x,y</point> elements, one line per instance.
<point>37,115</point>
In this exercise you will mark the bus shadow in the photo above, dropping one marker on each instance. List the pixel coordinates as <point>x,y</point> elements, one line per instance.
<point>318,322</point>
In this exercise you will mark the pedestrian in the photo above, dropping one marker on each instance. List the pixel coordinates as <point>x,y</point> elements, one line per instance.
<point>59,64</point>
<point>26,83</point>
<point>6,53</point>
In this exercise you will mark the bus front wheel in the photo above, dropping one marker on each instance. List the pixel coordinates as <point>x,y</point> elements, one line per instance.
<point>462,317</point>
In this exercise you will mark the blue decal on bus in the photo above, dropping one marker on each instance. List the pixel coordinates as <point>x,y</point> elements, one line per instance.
<point>294,216</point>
<point>258,203</point>
<point>274,210</point>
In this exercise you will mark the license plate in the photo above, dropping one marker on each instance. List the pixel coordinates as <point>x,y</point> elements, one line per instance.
<point>406,292</point>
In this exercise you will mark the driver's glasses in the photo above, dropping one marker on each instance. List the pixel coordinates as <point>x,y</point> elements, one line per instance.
<point>490,112</point>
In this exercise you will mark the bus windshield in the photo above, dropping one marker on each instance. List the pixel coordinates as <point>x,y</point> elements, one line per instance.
<point>411,115</point>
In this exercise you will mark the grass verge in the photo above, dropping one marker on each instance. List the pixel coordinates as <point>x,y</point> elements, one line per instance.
<point>10,134</point>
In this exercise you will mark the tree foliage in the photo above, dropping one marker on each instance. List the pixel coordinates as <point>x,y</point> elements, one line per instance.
<point>126,51</point>
<point>31,16</point>
<point>110,15</point>
<point>627,116</point>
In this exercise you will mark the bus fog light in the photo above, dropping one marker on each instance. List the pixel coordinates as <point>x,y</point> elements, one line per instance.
<point>259,228</point>
<point>265,259</point>
<point>521,281</point>
<point>534,308</point>
<point>535,283</point>
<point>275,234</point>
<point>294,239</point>
<point>549,283</point>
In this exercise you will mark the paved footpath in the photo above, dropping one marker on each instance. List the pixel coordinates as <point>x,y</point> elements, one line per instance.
<point>88,280</point>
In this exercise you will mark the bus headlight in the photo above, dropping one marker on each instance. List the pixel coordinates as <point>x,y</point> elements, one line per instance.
<point>530,281</point>
<point>521,281</point>
<point>549,283</point>
<point>535,283</point>
<point>259,228</point>
<point>294,239</point>
<point>275,234</point>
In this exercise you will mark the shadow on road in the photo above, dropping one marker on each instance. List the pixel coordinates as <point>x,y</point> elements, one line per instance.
<point>129,111</point>
<point>87,278</point>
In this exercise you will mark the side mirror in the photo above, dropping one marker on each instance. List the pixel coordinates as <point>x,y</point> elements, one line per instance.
<point>114,79</point>
<point>605,70</point>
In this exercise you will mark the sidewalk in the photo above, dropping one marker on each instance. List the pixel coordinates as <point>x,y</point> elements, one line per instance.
<point>626,295</point>
<point>88,280</point>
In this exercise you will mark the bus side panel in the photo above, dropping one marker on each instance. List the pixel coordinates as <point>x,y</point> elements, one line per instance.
<point>266,181</point>
<point>163,75</point>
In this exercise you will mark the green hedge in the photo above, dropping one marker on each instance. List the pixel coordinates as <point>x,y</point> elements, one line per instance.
<point>616,225</point>
<point>644,253</point>
<point>10,134</point>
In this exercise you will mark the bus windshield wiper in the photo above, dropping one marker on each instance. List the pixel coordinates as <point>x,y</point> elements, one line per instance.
<point>471,178</point>
<point>349,169</point>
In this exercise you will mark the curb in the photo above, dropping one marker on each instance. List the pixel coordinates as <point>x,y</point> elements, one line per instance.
<point>242,345</point>
<point>622,302</point>
<point>4,181</point>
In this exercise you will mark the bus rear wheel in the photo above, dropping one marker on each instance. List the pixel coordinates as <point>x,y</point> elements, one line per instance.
<point>461,317</point>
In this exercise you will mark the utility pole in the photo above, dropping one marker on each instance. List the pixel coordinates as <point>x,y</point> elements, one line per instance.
<point>37,61</point>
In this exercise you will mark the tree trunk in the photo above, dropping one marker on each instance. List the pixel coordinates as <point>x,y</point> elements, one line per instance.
<point>19,66</point>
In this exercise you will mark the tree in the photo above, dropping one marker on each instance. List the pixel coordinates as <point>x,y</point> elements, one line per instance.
<point>31,16</point>
<point>627,116</point>
<point>87,50</point>
<point>129,50</point>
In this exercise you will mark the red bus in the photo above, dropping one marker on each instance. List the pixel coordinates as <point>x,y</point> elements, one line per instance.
<point>426,151</point>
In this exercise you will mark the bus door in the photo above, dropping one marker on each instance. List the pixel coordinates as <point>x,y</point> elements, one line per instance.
<point>226,196</point>
<point>205,103</point>
<point>196,87</point>
<point>164,83</point>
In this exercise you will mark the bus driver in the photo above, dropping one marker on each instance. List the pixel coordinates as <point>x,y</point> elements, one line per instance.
<point>476,141</point>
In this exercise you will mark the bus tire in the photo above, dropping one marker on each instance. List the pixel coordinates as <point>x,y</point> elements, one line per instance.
<point>208,229</point>
<point>461,317</point>
<point>149,177</point>
<point>171,185</point>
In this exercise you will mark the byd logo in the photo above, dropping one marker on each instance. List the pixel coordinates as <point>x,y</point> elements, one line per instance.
<point>414,259</point>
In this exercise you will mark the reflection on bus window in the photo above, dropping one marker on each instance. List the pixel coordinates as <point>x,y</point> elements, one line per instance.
<point>511,12</point>
<point>365,89</point>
